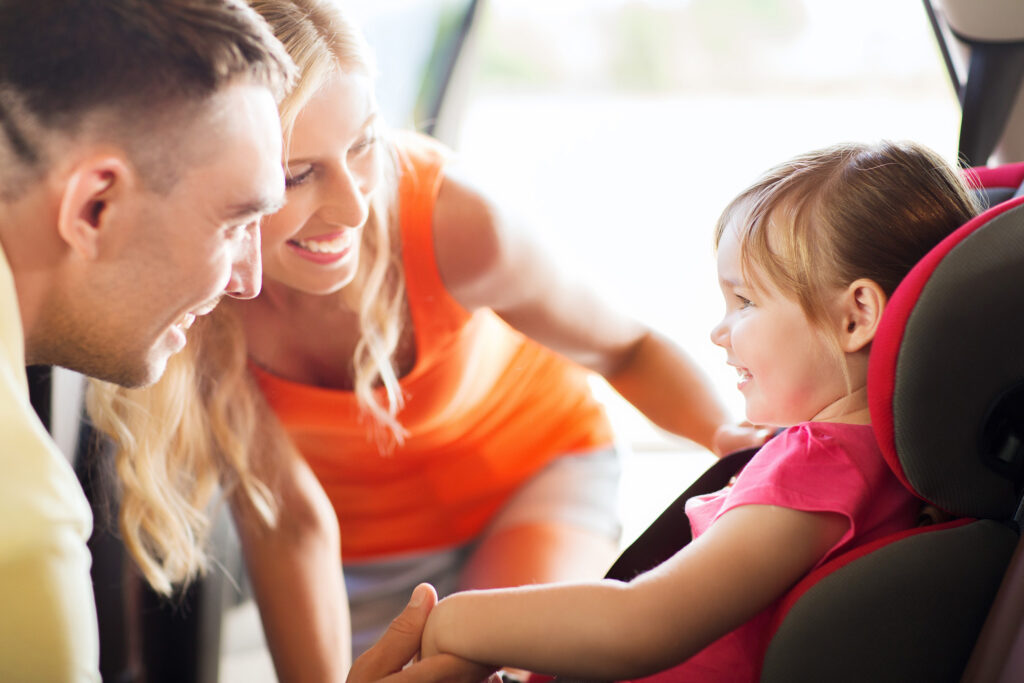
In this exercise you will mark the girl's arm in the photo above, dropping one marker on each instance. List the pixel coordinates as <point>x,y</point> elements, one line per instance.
<point>609,630</point>
<point>296,575</point>
<point>485,259</point>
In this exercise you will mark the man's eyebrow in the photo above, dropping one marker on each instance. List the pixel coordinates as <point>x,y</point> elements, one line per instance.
<point>256,207</point>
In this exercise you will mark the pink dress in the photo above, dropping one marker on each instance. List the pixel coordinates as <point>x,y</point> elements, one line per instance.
<point>813,467</point>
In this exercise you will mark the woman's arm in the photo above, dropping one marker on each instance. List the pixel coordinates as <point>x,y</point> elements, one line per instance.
<point>296,575</point>
<point>612,630</point>
<point>485,259</point>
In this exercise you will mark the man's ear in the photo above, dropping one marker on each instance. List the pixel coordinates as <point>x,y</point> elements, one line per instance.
<point>85,203</point>
<point>862,304</point>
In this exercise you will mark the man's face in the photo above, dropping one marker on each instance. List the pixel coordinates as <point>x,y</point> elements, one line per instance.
<point>174,255</point>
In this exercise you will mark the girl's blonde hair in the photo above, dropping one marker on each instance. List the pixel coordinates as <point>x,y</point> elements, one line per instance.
<point>205,422</point>
<point>825,219</point>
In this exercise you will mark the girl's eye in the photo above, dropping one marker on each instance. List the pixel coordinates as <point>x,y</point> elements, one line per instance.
<point>744,302</point>
<point>291,181</point>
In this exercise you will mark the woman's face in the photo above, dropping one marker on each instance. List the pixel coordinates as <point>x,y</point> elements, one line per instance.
<point>331,169</point>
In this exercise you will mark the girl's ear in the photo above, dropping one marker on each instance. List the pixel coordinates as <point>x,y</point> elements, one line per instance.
<point>85,202</point>
<point>862,304</point>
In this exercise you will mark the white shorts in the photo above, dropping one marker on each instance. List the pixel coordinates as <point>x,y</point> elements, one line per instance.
<point>581,490</point>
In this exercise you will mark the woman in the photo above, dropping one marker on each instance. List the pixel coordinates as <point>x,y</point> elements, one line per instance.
<point>408,394</point>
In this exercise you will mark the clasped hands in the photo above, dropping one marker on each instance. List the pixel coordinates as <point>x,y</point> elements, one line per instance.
<point>386,661</point>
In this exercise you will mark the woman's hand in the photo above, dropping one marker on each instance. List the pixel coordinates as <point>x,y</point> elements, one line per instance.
<point>735,437</point>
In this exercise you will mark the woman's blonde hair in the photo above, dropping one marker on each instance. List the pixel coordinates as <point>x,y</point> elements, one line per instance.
<point>205,422</point>
<point>825,219</point>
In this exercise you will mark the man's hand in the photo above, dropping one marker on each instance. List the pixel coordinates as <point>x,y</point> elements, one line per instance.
<point>384,661</point>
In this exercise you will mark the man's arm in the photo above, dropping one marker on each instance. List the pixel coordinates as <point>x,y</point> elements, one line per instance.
<point>48,623</point>
<point>48,629</point>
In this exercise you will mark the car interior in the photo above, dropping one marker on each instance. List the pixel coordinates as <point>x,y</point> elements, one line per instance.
<point>942,602</point>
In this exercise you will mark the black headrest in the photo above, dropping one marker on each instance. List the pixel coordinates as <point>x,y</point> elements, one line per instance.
<point>946,375</point>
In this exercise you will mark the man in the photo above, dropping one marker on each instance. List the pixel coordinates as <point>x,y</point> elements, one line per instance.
<point>139,147</point>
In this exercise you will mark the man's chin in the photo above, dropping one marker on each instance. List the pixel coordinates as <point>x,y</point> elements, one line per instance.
<point>132,374</point>
<point>151,372</point>
<point>131,378</point>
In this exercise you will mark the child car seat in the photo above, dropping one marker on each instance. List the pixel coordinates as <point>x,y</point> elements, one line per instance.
<point>946,393</point>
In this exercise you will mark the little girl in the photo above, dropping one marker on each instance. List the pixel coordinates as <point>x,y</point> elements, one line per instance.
<point>807,258</point>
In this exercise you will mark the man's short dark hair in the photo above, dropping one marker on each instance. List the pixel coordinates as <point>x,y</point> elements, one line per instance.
<point>61,60</point>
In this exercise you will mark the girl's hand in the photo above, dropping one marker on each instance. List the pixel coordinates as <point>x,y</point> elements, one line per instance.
<point>734,437</point>
<point>428,642</point>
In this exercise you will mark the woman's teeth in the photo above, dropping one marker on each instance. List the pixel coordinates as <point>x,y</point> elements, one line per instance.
<point>333,246</point>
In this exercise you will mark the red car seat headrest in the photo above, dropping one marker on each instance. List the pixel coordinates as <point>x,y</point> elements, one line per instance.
<point>946,374</point>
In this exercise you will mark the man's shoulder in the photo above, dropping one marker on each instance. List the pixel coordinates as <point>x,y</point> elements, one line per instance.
<point>50,628</point>
<point>41,501</point>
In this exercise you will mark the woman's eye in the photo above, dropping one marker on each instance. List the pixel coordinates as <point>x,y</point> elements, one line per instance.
<point>292,180</point>
<point>363,144</point>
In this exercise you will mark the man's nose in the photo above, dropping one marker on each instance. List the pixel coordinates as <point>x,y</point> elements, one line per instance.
<point>247,269</point>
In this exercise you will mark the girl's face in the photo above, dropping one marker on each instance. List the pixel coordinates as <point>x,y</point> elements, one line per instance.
<point>788,370</point>
<point>332,167</point>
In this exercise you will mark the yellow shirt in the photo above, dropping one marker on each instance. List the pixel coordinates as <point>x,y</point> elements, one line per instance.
<point>48,628</point>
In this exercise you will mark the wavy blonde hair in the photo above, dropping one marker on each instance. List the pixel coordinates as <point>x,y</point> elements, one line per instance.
<point>205,423</point>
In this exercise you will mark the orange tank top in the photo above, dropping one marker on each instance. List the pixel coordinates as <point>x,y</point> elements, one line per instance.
<point>485,408</point>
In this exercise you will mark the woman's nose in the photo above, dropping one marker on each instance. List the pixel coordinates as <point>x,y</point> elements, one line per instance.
<point>346,205</point>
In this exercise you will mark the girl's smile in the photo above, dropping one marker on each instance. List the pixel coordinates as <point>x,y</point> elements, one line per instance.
<point>744,376</point>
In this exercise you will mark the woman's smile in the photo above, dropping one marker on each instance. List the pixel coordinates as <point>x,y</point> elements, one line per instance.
<point>326,248</point>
